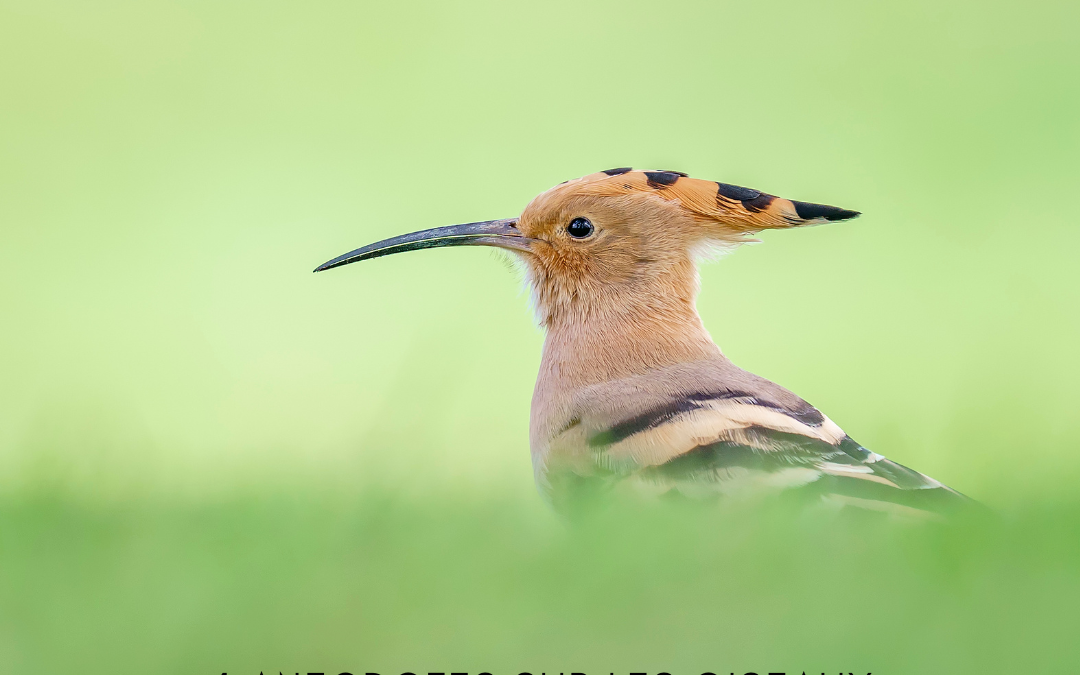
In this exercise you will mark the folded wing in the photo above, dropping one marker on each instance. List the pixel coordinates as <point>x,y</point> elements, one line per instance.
<point>725,443</point>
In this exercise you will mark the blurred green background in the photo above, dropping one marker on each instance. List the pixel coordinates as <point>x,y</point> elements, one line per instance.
<point>212,460</point>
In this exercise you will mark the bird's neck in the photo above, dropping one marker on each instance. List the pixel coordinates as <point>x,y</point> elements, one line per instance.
<point>620,342</point>
<point>612,345</point>
<point>614,331</point>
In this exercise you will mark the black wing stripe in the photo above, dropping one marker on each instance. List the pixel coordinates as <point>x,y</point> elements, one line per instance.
<point>696,401</point>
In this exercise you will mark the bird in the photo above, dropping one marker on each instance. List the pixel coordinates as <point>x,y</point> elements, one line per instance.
<point>633,397</point>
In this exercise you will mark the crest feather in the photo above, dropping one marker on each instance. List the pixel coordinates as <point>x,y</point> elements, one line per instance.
<point>744,210</point>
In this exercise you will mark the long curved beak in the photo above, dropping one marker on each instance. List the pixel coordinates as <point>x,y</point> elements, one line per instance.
<point>500,233</point>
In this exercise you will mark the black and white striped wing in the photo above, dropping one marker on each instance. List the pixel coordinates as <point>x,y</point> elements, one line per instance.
<point>731,445</point>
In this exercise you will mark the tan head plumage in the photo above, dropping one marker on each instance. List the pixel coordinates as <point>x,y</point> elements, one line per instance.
<point>644,230</point>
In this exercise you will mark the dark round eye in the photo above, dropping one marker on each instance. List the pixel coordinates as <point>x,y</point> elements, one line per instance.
<point>579,228</point>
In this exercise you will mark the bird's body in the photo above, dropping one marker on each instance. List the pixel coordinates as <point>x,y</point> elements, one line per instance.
<point>708,430</point>
<point>633,395</point>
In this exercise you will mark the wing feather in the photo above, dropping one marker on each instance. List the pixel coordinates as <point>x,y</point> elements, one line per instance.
<point>728,445</point>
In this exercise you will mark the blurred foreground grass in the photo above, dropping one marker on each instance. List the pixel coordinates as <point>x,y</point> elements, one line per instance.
<point>300,582</point>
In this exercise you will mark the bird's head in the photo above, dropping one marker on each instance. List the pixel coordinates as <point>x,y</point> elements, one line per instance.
<point>617,240</point>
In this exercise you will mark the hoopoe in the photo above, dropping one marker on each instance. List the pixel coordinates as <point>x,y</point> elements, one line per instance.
<point>633,394</point>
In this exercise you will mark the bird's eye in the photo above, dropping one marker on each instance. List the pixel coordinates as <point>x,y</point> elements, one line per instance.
<point>579,228</point>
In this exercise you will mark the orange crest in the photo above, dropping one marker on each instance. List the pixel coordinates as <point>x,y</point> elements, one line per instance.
<point>743,210</point>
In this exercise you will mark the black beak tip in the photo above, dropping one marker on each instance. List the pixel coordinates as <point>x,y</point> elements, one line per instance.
<point>329,265</point>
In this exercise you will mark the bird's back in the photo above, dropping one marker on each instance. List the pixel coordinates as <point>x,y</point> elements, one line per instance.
<point>710,431</point>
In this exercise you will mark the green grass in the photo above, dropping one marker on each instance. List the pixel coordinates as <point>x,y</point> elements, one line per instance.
<point>298,583</point>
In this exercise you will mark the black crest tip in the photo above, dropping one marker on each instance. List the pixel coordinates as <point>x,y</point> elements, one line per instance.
<point>809,211</point>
